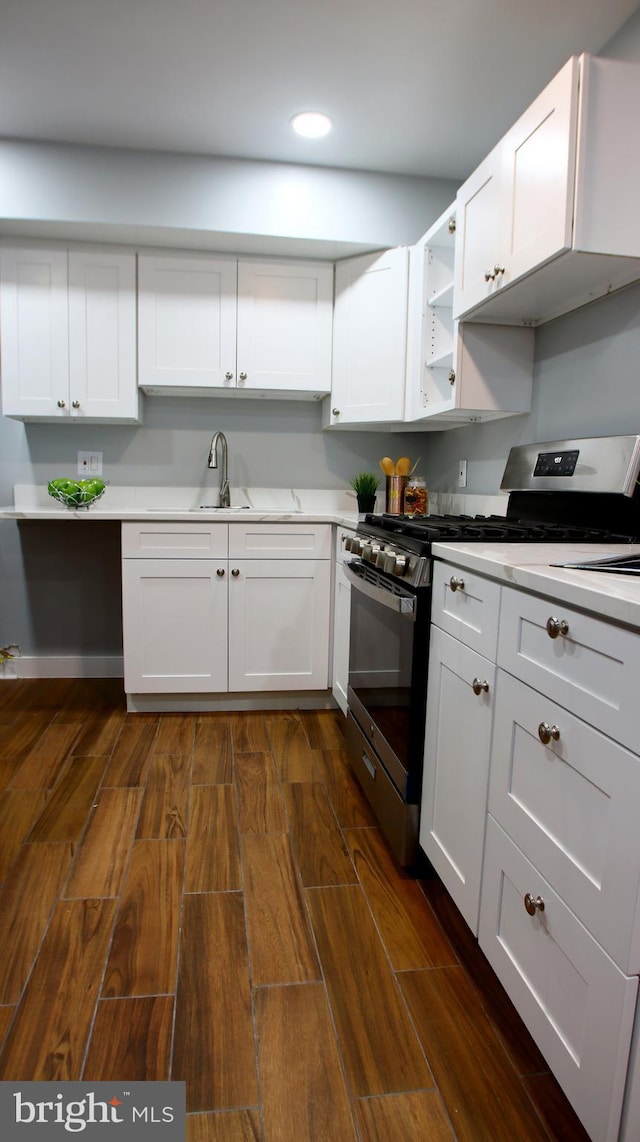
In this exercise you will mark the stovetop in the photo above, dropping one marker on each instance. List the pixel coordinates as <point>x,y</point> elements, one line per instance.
<point>497,529</point>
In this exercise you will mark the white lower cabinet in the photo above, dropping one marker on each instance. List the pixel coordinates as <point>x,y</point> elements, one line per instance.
<point>175,625</point>
<point>341,623</point>
<point>279,624</point>
<point>575,1001</point>
<point>456,771</point>
<point>199,619</point>
<point>559,886</point>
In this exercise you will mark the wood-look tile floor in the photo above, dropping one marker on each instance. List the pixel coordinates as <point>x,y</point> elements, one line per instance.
<point>206,897</point>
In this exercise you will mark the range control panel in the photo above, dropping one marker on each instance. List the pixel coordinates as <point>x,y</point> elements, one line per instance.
<point>556,463</point>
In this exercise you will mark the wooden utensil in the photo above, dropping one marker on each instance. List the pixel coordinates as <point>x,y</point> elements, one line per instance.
<point>402,466</point>
<point>387,466</point>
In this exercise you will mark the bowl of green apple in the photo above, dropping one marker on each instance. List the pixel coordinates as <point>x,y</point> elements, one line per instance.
<point>76,494</point>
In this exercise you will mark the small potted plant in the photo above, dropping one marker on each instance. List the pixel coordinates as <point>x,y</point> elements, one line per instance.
<point>365,485</point>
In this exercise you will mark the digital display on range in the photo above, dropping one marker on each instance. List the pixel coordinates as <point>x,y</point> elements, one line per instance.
<point>556,463</point>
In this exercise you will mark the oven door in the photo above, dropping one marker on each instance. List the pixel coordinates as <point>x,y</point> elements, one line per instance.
<point>388,651</point>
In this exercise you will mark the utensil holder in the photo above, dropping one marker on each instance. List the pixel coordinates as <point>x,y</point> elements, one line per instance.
<point>395,494</point>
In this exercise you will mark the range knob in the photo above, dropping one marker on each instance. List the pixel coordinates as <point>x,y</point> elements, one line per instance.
<point>370,551</point>
<point>401,565</point>
<point>355,546</point>
<point>386,559</point>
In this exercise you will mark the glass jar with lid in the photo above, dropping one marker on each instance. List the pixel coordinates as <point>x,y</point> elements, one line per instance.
<point>416,497</point>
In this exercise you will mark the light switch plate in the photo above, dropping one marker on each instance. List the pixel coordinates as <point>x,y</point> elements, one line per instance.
<point>89,464</point>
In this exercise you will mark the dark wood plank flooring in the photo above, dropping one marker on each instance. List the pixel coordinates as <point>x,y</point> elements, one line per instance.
<point>207,897</point>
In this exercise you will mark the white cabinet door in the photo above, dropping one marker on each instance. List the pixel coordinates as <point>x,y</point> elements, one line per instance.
<point>285,326</point>
<point>578,1006</point>
<point>369,338</point>
<point>174,615</point>
<point>102,336</point>
<point>341,618</point>
<point>279,624</point>
<point>515,212</point>
<point>479,235</point>
<point>568,797</point>
<point>456,768</point>
<point>186,321</point>
<point>539,167</point>
<point>35,333</point>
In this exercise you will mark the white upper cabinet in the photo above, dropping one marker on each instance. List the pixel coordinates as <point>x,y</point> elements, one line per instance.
<point>68,335</point>
<point>186,321</point>
<point>458,373</point>
<point>102,335</point>
<point>216,324</point>
<point>369,339</point>
<point>285,313</point>
<point>551,209</point>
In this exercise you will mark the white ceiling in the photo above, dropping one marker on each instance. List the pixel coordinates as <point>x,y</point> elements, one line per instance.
<point>423,87</point>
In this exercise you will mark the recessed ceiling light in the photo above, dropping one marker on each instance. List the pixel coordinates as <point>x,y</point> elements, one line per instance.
<point>311,124</point>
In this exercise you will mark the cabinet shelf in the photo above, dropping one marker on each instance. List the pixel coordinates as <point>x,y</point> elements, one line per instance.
<point>441,360</point>
<point>442,298</point>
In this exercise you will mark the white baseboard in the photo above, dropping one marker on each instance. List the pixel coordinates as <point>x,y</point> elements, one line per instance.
<point>64,666</point>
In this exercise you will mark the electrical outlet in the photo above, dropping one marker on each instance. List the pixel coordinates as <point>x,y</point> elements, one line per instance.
<point>89,463</point>
<point>462,474</point>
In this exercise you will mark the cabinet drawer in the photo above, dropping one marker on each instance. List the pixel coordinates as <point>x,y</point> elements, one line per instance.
<point>578,1006</point>
<point>571,806</point>
<point>280,540</point>
<point>591,668</point>
<point>174,540</point>
<point>468,611</point>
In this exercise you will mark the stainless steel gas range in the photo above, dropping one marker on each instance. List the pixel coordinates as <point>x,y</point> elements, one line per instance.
<point>569,491</point>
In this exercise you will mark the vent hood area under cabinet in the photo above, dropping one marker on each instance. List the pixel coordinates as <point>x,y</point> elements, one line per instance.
<point>549,221</point>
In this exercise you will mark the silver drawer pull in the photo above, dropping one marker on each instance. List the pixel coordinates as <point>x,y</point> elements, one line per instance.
<point>547,732</point>
<point>235,571</point>
<point>556,627</point>
<point>456,584</point>
<point>533,904</point>
<point>477,686</point>
<point>220,572</point>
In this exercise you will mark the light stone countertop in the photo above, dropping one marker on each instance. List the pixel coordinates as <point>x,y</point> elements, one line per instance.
<point>529,566</point>
<point>270,505</point>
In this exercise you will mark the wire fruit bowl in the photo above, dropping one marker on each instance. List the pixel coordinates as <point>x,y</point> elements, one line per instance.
<point>76,495</point>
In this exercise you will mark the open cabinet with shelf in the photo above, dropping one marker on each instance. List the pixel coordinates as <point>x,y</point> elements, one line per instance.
<point>457,373</point>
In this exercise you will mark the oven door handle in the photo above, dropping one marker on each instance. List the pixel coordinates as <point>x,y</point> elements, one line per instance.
<point>404,605</point>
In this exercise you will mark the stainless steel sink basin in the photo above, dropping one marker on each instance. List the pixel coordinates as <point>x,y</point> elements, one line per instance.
<point>215,508</point>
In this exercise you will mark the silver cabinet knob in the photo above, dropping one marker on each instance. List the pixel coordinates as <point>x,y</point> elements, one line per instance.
<point>533,904</point>
<point>497,270</point>
<point>335,412</point>
<point>235,571</point>
<point>61,404</point>
<point>75,404</point>
<point>452,376</point>
<point>480,687</point>
<point>556,627</point>
<point>456,584</point>
<point>547,732</point>
<point>228,376</point>
<point>243,376</point>
<point>489,275</point>
<point>220,572</point>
